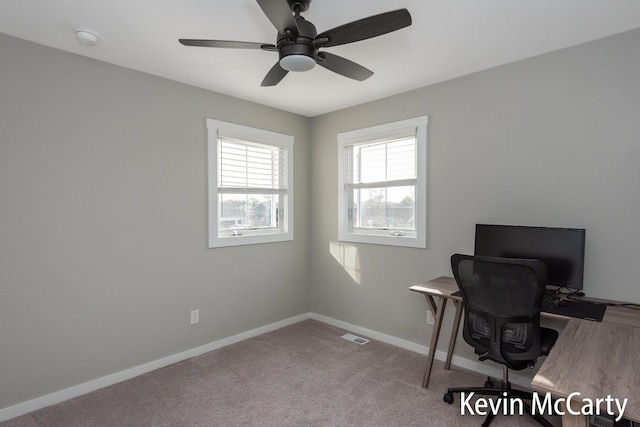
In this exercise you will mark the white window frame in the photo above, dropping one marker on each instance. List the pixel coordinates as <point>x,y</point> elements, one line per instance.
<point>216,128</point>
<point>346,231</point>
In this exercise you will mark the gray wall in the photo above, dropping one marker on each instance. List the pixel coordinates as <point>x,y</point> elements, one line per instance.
<point>103,240</point>
<point>553,141</point>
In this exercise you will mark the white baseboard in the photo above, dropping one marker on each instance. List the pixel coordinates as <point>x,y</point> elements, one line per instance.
<point>80,389</point>
<point>378,336</point>
<point>472,365</point>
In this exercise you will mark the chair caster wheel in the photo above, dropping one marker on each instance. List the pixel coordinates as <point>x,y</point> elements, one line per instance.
<point>448,397</point>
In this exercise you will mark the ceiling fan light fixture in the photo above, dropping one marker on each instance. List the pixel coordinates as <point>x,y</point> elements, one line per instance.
<point>297,63</point>
<point>298,43</point>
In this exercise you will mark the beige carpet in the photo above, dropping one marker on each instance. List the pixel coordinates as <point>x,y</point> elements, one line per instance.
<point>301,375</point>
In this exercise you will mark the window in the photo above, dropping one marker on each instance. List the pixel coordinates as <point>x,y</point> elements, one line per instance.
<point>383,184</point>
<point>250,185</point>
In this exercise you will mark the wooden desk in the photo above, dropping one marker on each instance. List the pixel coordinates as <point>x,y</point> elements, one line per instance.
<point>597,360</point>
<point>438,291</point>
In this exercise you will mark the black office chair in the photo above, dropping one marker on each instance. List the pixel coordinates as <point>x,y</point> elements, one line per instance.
<point>502,299</point>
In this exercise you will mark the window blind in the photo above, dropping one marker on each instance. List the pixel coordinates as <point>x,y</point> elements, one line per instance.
<point>390,163</point>
<point>251,168</point>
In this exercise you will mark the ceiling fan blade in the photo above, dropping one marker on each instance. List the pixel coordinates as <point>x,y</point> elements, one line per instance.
<point>274,76</point>
<point>365,28</point>
<point>279,14</point>
<point>343,66</point>
<point>228,44</point>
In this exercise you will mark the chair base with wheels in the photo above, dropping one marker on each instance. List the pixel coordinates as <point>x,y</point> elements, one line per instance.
<point>504,391</point>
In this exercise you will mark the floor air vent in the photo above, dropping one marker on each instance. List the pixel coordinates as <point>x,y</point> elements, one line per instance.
<point>355,339</point>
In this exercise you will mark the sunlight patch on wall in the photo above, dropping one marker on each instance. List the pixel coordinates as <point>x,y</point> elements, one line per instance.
<point>347,256</point>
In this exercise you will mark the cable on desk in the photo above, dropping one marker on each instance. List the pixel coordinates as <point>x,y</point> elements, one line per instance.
<point>576,297</point>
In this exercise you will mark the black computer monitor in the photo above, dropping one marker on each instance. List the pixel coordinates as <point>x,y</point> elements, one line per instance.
<point>561,249</point>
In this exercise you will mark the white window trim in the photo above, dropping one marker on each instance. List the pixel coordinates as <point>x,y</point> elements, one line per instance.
<point>380,237</point>
<point>216,127</point>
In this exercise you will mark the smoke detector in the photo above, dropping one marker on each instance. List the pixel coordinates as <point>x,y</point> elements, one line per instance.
<point>86,37</point>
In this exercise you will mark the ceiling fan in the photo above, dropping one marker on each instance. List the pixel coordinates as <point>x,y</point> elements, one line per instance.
<point>298,43</point>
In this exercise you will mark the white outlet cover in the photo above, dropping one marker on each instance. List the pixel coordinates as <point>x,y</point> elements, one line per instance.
<point>195,316</point>
<point>430,319</point>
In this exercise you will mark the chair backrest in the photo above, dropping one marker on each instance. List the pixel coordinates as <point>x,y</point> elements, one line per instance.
<point>502,299</point>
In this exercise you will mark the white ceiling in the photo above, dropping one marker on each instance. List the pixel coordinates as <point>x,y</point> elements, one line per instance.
<point>448,38</point>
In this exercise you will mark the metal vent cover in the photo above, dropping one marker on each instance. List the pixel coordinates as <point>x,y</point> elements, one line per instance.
<point>355,339</point>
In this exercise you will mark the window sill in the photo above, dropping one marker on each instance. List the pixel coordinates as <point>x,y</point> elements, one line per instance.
<point>256,239</point>
<point>383,239</point>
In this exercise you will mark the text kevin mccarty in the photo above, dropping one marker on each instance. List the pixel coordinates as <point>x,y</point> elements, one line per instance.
<point>544,404</point>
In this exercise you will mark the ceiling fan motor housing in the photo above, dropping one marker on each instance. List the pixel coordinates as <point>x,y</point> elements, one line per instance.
<point>298,53</point>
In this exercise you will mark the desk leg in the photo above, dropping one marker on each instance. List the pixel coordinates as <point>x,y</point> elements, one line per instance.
<point>569,420</point>
<point>454,332</point>
<point>438,315</point>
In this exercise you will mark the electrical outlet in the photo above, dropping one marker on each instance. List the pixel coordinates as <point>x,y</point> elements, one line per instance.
<point>430,319</point>
<point>195,316</point>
